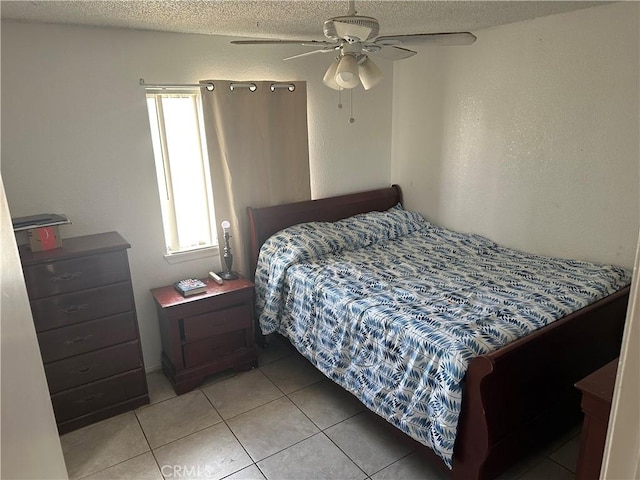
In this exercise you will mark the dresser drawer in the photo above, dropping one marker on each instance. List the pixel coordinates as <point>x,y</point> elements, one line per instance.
<point>92,366</point>
<point>74,274</point>
<point>217,322</point>
<point>72,308</point>
<point>212,348</point>
<point>87,336</point>
<point>94,396</point>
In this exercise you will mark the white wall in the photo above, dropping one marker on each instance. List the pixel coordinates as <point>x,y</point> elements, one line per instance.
<point>75,134</point>
<point>530,136</point>
<point>31,446</point>
<point>621,457</point>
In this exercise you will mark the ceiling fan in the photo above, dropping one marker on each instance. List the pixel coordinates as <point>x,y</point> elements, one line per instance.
<point>354,37</point>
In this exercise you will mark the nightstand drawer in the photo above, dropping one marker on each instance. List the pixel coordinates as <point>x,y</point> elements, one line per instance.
<point>72,308</point>
<point>217,322</point>
<point>94,396</point>
<point>92,366</point>
<point>87,336</point>
<point>76,274</point>
<point>211,349</point>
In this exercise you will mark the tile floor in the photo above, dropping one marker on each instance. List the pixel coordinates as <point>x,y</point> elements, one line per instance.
<point>283,420</point>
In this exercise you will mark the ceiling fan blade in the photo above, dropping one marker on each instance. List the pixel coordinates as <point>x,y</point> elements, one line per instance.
<point>445,39</point>
<point>393,53</point>
<point>304,43</point>
<point>312,52</point>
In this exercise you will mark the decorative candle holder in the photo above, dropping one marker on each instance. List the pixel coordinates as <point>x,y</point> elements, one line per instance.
<point>228,274</point>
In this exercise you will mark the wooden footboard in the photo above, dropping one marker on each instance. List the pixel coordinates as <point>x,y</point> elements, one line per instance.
<point>522,394</point>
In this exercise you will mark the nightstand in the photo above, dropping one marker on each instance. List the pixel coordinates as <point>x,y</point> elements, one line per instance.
<point>206,333</point>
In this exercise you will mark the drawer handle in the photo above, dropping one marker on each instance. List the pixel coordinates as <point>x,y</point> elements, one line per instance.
<point>90,398</point>
<point>65,277</point>
<point>75,308</point>
<point>77,340</point>
<point>84,369</point>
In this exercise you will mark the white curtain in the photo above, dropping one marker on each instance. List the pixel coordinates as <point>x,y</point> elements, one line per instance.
<point>258,149</point>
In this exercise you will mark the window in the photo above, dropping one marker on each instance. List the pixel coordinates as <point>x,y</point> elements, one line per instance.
<point>182,168</point>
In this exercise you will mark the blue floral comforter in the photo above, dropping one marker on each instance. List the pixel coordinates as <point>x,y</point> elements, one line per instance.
<point>393,308</point>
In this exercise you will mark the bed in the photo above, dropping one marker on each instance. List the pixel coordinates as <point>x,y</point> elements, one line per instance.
<point>511,397</point>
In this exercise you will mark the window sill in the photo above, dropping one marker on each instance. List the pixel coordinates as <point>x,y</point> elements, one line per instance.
<point>190,255</point>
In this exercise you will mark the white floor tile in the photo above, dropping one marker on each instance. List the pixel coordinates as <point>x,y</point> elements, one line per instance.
<point>250,473</point>
<point>176,418</point>
<point>273,427</point>
<point>567,454</point>
<point>281,433</point>
<point>316,458</point>
<point>212,453</point>
<point>292,373</point>
<point>548,470</point>
<point>276,349</point>
<point>326,404</point>
<point>142,467</point>
<point>411,467</point>
<point>367,443</point>
<point>102,445</point>
<point>241,393</point>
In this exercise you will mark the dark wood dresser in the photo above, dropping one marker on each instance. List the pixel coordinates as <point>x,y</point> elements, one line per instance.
<point>206,333</point>
<point>84,313</point>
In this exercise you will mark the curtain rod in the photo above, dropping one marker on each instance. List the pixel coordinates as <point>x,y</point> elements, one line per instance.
<point>173,86</point>
<point>210,86</point>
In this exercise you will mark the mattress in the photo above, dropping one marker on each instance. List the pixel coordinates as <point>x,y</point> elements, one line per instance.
<point>393,308</point>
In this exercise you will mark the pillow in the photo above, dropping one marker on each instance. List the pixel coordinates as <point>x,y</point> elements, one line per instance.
<point>315,240</point>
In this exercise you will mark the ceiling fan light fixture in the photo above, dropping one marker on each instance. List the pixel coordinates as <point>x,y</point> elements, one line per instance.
<point>370,73</point>
<point>330,77</point>
<point>347,75</point>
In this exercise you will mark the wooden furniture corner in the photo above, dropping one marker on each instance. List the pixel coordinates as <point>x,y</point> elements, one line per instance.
<point>597,394</point>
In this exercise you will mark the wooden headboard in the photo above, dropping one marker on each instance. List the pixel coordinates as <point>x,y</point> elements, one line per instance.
<point>264,222</point>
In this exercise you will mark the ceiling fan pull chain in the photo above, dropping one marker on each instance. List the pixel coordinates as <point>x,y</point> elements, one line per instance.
<point>339,98</point>
<point>351,119</point>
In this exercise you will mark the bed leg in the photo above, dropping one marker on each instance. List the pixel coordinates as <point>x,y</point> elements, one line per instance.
<point>262,340</point>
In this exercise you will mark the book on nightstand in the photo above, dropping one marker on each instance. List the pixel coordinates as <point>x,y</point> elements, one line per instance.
<point>190,286</point>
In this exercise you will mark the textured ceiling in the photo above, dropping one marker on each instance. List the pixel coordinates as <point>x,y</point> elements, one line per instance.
<point>282,19</point>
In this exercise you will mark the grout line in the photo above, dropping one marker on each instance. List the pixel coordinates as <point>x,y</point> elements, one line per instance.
<point>345,453</point>
<point>320,430</point>
<point>561,465</point>
<point>114,465</point>
<point>254,462</point>
<point>393,463</point>
<point>130,458</point>
<point>189,434</point>
<point>241,446</point>
<point>232,432</point>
